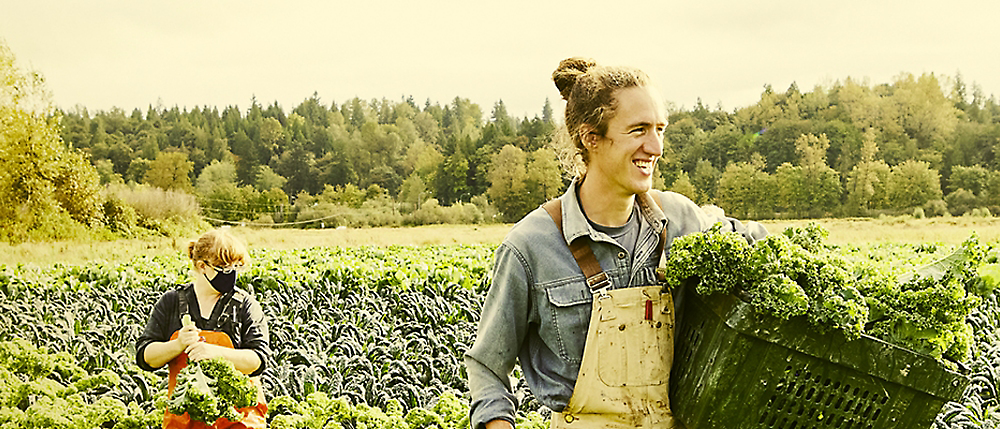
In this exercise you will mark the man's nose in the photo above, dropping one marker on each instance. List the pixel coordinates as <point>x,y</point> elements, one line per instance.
<point>653,144</point>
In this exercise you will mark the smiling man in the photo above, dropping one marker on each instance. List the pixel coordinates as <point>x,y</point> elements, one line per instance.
<point>575,297</point>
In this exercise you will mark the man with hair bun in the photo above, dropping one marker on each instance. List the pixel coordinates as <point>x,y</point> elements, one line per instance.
<point>575,297</point>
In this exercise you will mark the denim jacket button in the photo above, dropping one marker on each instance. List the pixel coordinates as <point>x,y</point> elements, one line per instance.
<point>621,255</point>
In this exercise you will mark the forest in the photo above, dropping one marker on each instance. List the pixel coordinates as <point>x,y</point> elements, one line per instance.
<point>848,150</point>
<point>270,165</point>
<point>920,146</point>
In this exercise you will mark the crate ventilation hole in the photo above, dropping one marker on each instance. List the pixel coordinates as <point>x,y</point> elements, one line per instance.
<point>804,401</point>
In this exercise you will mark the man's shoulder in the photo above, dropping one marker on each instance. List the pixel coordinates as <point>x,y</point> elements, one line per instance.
<point>671,197</point>
<point>674,204</point>
<point>532,227</point>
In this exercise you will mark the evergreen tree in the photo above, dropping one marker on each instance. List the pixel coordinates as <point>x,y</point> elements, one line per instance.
<point>547,112</point>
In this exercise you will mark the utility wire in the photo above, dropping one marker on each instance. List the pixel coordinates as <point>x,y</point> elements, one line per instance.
<point>233,222</point>
<point>240,211</point>
<point>242,202</point>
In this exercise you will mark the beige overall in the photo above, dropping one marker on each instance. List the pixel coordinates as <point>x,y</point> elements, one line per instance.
<point>626,363</point>
<point>625,371</point>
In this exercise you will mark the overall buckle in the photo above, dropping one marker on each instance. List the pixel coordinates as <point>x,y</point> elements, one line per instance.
<point>599,283</point>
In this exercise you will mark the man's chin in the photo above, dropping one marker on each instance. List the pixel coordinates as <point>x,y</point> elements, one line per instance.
<point>643,187</point>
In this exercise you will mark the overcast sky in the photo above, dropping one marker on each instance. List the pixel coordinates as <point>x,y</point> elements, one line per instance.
<point>135,53</point>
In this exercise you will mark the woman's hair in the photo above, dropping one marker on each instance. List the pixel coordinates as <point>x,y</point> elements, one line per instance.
<point>218,248</point>
<point>589,93</point>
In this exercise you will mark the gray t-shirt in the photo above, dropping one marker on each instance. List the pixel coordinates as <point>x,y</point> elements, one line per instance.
<point>626,235</point>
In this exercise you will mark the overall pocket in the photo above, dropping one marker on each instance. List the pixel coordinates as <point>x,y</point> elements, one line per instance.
<point>635,327</point>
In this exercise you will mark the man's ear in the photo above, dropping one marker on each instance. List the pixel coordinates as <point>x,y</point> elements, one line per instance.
<point>589,136</point>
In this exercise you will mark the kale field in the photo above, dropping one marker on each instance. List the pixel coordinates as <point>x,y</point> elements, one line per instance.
<point>363,337</point>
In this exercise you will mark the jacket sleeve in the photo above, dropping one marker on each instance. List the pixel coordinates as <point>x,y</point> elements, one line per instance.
<point>254,335</point>
<point>157,327</point>
<point>685,217</point>
<point>501,332</point>
<point>752,231</point>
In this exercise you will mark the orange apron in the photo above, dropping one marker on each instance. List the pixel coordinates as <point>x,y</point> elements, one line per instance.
<point>253,417</point>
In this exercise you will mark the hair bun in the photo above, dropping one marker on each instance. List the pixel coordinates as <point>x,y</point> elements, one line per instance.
<point>568,71</point>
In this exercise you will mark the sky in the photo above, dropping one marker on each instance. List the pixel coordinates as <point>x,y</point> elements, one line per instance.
<point>130,54</point>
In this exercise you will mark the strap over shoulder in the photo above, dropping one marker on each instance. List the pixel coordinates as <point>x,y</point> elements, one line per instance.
<point>663,234</point>
<point>230,305</point>
<point>182,301</point>
<point>597,279</point>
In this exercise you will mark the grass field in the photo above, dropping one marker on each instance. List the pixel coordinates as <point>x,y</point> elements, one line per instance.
<point>949,230</point>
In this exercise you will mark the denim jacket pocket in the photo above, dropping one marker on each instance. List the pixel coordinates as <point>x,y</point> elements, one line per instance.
<point>569,310</point>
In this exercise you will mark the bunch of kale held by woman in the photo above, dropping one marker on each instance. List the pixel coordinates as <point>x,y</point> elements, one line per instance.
<point>210,389</point>
<point>852,290</point>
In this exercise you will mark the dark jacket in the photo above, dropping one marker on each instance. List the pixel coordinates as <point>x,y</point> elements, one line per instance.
<point>236,313</point>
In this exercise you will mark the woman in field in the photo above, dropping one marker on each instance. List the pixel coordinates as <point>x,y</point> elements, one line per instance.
<point>575,297</point>
<point>227,322</point>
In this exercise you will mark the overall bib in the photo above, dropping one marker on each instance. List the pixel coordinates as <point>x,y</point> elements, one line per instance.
<point>253,417</point>
<point>625,370</point>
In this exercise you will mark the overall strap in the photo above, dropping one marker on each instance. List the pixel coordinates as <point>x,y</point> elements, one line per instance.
<point>182,305</point>
<point>660,274</point>
<point>663,234</point>
<point>229,308</point>
<point>584,255</point>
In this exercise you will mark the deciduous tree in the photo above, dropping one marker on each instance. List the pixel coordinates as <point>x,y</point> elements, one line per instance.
<point>867,181</point>
<point>913,184</point>
<point>43,183</point>
<point>746,190</point>
<point>508,183</point>
<point>170,171</point>
<point>544,180</point>
<point>682,185</point>
<point>216,173</point>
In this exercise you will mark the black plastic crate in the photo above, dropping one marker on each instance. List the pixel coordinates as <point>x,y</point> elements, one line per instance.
<point>738,369</point>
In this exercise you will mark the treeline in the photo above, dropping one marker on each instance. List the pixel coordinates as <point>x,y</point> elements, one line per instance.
<point>919,146</point>
<point>915,146</point>
<point>376,162</point>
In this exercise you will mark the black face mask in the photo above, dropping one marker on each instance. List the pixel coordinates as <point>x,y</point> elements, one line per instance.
<point>223,282</point>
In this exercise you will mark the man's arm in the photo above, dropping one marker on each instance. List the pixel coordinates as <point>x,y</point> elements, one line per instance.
<point>502,329</point>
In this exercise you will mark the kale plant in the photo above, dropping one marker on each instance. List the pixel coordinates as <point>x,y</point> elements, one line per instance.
<point>797,274</point>
<point>210,389</point>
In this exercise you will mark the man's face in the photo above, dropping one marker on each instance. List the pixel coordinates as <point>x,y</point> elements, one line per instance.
<point>624,158</point>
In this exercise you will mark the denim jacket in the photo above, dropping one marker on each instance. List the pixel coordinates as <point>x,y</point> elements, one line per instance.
<point>538,307</point>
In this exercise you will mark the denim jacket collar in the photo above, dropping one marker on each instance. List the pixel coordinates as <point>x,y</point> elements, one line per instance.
<point>575,223</point>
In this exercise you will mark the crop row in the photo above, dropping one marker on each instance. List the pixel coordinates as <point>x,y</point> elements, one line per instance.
<point>379,327</point>
<point>368,324</point>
